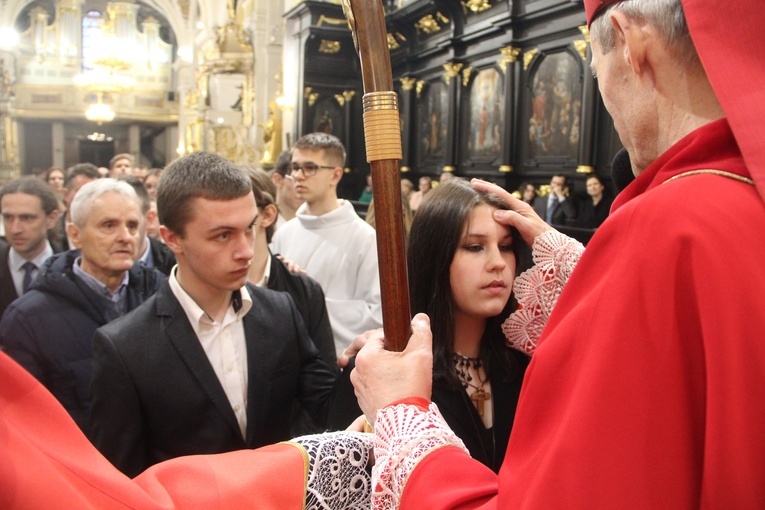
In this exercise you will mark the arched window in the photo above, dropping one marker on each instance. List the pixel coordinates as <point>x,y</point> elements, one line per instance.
<point>91,34</point>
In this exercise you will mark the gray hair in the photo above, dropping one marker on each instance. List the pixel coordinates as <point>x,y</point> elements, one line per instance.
<point>83,201</point>
<point>667,16</point>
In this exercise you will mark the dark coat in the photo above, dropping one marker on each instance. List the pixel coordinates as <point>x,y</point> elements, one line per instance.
<point>309,299</point>
<point>156,395</point>
<point>163,257</point>
<point>485,445</point>
<point>49,330</point>
<point>565,214</point>
<point>7,288</point>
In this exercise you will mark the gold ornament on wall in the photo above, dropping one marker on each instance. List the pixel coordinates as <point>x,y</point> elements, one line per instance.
<point>476,6</point>
<point>407,83</point>
<point>428,25</point>
<point>420,86</point>
<point>528,57</point>
<point>329,47</point>
<point>467,73</point>
<point>452,71</point>
<point>509,56</point>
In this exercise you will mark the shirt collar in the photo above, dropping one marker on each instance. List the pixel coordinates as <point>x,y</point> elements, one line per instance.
<point>15,260</point>
<point>99,286</point>
<point>241,302</point>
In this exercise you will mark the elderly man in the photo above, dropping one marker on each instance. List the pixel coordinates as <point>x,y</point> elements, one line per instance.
<point>647,389</point>
<point>49,330</point>
<point>30,209</point>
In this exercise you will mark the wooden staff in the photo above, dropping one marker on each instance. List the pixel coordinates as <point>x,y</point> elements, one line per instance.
<point>382,133</point>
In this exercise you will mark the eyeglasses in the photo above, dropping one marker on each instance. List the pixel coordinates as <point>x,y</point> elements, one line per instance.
<point>309,169</point>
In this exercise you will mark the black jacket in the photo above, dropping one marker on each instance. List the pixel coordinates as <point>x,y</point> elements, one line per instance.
<point>49,330</point>
<point>7,288</point>
<point>156,396</point>
<point>163,257</point>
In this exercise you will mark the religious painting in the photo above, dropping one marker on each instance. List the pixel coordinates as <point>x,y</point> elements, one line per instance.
<point>433,116</point>
<point>487,115</point>
<point>328,117</point>
<point>555,106</point>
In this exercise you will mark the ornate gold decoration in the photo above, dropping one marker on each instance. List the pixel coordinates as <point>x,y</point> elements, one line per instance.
<point>466,74</point>
<point>505,169</point>
<point>272,136</point>
<point>407,83</point>
<point>544,190</point>
<point>584,169</point>
<point>329,47</point>
<point>528,57</point>
<point>581,48</point>
<point>392,43</point>
<point>427,24</point>
<point>452,71</point>
<point>509,55</point>
<point>185,8</point>
<point>448,169</point>
<point>348,94</point>
<point>405,169</point>
<point>585,33</point>
<point>420,86</point>
<point>310,96</point>
<point>443,19</point>
<point>476,6</point>
<point>340,99</point>
<point>330,21</point>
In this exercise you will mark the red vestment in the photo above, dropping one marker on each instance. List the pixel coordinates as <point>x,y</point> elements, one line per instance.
<point>646,390</point>
<point>46,462</point>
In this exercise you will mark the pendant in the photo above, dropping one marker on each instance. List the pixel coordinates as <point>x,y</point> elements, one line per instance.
<point>478,398</point>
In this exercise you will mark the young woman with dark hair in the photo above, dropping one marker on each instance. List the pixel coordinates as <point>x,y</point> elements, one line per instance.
<point>462,265</point>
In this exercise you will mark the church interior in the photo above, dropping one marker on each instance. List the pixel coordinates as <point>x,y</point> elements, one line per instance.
<point>497,89</point>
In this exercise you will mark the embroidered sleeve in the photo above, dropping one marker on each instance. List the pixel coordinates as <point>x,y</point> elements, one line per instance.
<point>538,288</point>
<point>338,470</point>
<point>404,434</point>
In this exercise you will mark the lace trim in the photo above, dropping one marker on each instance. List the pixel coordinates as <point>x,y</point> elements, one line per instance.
<point>537,289</point>
<point>338,472</point>
<point>404,435</point>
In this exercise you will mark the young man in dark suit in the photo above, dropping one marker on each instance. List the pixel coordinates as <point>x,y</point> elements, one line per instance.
<point>210,363</point>
<point>30,210</point>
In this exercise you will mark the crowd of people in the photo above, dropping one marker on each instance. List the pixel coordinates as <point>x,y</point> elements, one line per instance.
<point>154,372</point>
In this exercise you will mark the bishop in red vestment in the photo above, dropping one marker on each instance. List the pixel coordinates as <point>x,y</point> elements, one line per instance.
<point>647,389</point>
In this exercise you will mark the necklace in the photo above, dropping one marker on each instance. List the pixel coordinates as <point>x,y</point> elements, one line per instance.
<point>462,366</point>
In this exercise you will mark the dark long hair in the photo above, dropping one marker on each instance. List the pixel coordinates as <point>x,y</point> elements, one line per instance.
<point>435,236</point>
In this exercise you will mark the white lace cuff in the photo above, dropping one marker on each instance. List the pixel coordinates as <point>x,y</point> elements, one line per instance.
<point>404,435</point>
<point>338,472</point>
<point>538,288</point>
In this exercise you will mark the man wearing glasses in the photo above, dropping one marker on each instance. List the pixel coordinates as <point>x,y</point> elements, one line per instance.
<point>329,240</point>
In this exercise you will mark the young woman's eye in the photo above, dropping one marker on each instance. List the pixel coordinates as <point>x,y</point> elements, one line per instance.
<point>506,247</point>
<point>473,247</point>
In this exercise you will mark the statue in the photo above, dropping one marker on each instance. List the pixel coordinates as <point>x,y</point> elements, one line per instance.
<point>272,136</point>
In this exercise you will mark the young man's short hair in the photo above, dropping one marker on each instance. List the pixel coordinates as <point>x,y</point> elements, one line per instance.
<point>89,170</point>
<point>283,164</point>
<point>197,175</point>
<point>118,157</point>
<point>265,194</point>
<point>140,190</point>
<point>331,145</point>
<point>35,187</point>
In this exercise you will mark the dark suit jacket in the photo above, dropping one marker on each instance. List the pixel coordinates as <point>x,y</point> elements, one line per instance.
<point>156,396</point>
<point>7,289</point>
<point>565,214</point>
<point>164,258</point>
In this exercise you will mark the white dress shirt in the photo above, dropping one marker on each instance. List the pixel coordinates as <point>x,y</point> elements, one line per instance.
<point>224,343</point>
<point>15,261</point>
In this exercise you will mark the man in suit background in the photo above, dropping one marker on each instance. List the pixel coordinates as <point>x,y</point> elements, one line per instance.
<point>210,363</point>
<point>151,252</point>
<point>557,208</point>
<point>30,210</point>
<point>49,330</point>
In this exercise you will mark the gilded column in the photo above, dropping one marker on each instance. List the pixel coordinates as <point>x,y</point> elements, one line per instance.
<point>509,63</point>
<point>406,110</point>
<point>453,82</point>
<point>587,125</point>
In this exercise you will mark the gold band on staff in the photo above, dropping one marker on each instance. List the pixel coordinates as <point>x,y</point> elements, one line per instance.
<point>382,126</point>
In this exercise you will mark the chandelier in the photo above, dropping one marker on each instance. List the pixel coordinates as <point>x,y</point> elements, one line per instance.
<point>99,112</point>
